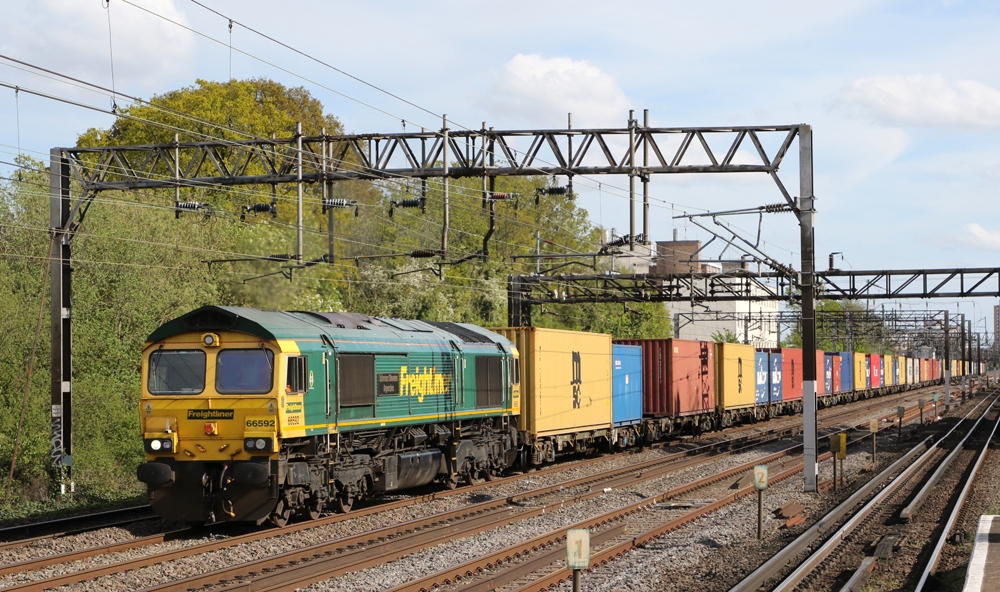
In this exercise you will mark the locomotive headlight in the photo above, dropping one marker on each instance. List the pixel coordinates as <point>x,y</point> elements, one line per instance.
<point>166,444</point>
<point>260,444</point>
<point>155,444</point>
<point>249,444</point>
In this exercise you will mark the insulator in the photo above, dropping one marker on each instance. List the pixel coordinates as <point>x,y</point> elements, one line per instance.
<point>261,208</point>
<point>188,206</point>
<point>775,208</point>
<point>424,253</point>
<point>502,196</point>
<point>617,242</point>
<point>554,190</point>
<point>408,203</point>
<point>329,203</point>
<point>280,257</point>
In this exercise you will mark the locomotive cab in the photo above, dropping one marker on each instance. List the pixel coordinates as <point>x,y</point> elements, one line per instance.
<point>210,422</point>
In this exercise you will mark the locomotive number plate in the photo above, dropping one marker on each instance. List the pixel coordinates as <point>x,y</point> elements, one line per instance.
<point>260,423</point>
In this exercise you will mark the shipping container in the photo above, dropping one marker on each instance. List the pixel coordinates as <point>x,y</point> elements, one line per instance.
<point>887,371</point>
<point>565,379</point>
<point>837,387</point>
<point>734,364</point>
<point>626,384</point>
<point>895,371</point>
<point>875,365</point>
<point>824,367</point>
<point>846,372</point>
<point>762,378</point>
<point>791,374</point>
<point>678,376</point>
<point>775,368</point>
<point>862,373</point>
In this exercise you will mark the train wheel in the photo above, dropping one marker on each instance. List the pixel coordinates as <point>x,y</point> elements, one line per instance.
<point>281,514</point>
<point>314,509</point>
<point>344,503</point>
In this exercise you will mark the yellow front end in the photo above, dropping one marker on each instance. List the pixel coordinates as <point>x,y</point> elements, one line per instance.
<point>210,421</point>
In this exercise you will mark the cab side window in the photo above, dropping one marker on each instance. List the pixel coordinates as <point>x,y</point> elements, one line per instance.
<point>298,374</point>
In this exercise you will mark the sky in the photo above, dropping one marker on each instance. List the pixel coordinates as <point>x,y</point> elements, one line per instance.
<point>903,97</point>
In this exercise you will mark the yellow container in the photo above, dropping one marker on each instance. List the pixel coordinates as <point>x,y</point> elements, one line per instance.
<point>888,379</point>
<point>565,379</point>
<point>902,370</point>
<point>734,376</point>
<point>860,380</point>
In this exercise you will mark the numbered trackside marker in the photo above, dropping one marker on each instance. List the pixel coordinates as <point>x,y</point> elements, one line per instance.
<point>760,477</point>
<point>578,548</point>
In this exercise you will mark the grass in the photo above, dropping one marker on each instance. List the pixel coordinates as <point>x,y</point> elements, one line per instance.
<point>21,510</point>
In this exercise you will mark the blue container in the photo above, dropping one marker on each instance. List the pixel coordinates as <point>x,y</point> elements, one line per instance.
<point>846,372</point>
<point>895,370</point>
<point>868,371</point>
<point>774,364</point>
<point>828,372</point>
<point>761,378</point>
<point>881,374</point>
<point>626,384</point>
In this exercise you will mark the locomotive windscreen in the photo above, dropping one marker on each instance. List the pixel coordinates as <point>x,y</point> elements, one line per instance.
<point>176,372</point>
<point>244,371</point>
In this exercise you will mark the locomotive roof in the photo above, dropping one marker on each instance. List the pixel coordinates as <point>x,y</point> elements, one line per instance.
<point>273,324</point>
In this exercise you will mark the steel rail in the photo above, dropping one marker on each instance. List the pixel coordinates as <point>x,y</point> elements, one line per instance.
<point>896,473</point>
<point>325,560</point>
<point>625,477</point>
<point>523,550</point>
<point>671,462</point>
<point>918,500</point>
<point>616,479</point>
<point>939,546</point>
<point>10,535</point>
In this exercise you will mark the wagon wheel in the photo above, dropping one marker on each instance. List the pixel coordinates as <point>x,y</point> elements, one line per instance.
<point>315,508</point>
<point>281,514</point>
<point>344,503</point>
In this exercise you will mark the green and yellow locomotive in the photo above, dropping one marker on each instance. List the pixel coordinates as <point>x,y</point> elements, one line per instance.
<point>252,415</point>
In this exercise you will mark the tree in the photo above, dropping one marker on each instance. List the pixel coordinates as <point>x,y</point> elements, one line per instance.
<point>725,336</point>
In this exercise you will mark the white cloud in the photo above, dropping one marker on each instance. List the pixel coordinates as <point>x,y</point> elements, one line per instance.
<point>71,37</point>
<point>927,100</point>
<point>980,238</point>
<point>541,91</point>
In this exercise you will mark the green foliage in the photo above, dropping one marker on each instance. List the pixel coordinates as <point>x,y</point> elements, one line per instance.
<point>136,266</point>
<point>725,336</point>
<point>834,334</point>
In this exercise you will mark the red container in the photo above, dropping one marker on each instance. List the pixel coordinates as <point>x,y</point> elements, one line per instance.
<point>678,376</point>
<point>820,372</point>
<point>791,369</point>
<point>876,370</point>
<point>836,374</point>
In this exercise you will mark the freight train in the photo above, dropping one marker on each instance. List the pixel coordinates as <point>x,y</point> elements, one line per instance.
<point>251,415</point>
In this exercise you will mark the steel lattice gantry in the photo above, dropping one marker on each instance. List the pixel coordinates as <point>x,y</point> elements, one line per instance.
<point>424,155</point>
<point>527,290</point>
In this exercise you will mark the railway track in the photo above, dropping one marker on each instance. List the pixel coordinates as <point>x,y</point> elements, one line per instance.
<point>538,563</point>
<point>622,478</point>
<point>20,535</point>
<point>899,490</point>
